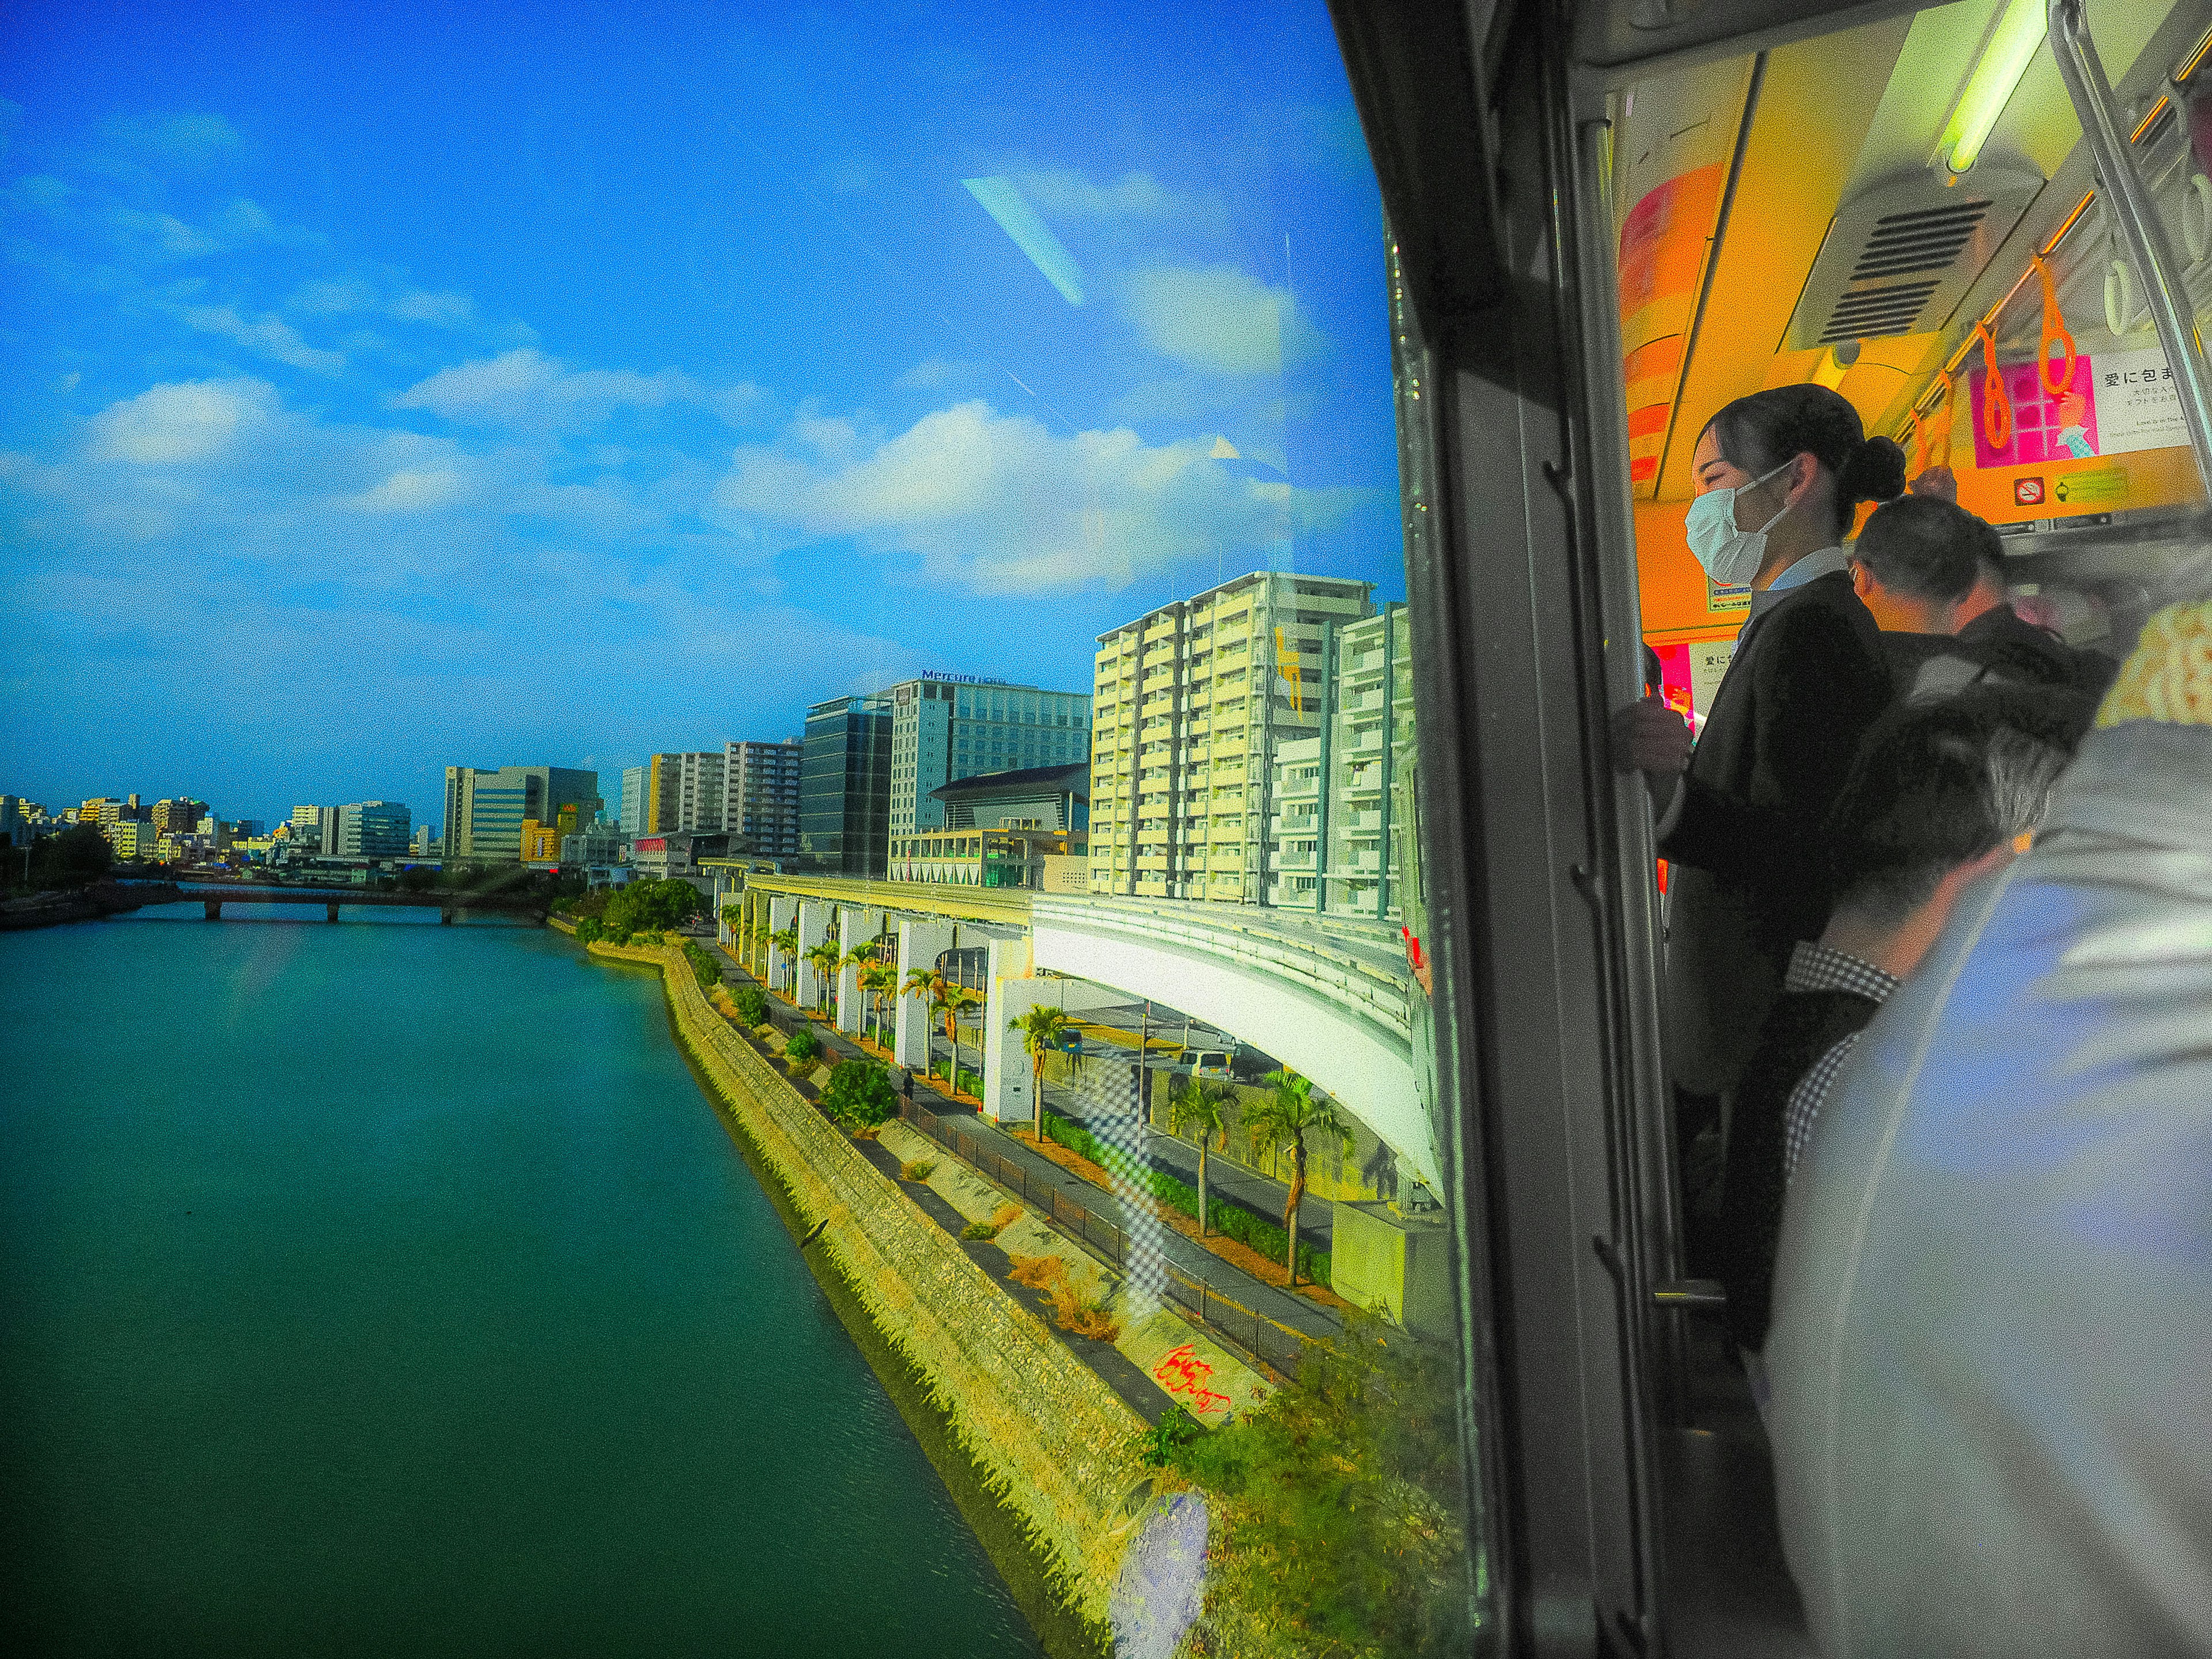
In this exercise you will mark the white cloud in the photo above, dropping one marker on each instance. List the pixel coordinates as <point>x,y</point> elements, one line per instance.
<point>526,389</point>
<point>325,298</point>
<point>446,310</point>
<point>271,337</point>
<point>184,421</point>
<point>998,501</point>
<point>934,373</point>
<point>162,235</point>
<point>411,491</point>
<point>1062,192</point>
<point>1218,320</point>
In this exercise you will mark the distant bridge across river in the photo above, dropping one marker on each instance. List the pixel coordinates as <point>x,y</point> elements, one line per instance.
<point>449,905</point>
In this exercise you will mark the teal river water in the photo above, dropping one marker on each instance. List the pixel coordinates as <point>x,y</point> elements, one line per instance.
<point>392,1289</point>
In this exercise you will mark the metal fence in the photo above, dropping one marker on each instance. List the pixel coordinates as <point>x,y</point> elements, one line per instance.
<point>1276,1344</point>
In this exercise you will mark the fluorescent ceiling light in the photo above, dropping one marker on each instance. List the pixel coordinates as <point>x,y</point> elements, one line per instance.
<point>1019,220</point>
<point>2011,48</point>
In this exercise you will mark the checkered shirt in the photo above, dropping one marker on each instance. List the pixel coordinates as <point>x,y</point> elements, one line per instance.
<point>1816,968</point>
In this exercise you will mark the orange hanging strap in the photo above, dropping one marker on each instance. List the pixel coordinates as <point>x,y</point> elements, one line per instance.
<point>1997,405</point>
<point>1919,443</point>
<point>2054,328</point>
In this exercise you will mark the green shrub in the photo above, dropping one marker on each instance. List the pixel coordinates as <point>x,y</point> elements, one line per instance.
<point>859,1094</point>
<point>979,1229</point>
<point>1351,1472</point>
<point>752,1004</point>
<point>919,1170</point>
<point>588,930</point>
<point>803,1046</point>
<point>1166,1444</point>
<point>704,968</point>
<point>1224,1215</point>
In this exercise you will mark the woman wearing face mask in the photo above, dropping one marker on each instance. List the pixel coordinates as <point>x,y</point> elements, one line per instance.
<point>1778,476</point>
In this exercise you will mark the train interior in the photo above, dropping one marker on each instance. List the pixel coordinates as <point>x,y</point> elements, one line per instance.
<point>1904,209</point>
<point>1812,212</point>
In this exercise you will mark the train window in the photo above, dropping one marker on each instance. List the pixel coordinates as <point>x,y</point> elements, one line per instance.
<point>890,519</point>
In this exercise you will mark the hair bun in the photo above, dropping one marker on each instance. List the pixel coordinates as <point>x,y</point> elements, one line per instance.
<point>1875,472</point>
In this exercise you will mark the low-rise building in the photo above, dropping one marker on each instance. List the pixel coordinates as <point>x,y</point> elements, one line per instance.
<point>602,844</point>
<point>984,858</point>
<point>676,856</point>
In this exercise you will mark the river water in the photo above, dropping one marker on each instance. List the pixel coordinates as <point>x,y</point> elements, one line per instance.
<point>392,1289</point>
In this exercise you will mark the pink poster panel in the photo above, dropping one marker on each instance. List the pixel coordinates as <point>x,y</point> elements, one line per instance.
<point>2043,428</point>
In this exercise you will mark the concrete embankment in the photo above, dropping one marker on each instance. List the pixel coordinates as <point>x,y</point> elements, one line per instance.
<point>1044,1436</point>
<point>105,898</point>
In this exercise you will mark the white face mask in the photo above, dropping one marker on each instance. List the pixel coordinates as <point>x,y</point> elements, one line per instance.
<point>1729,556</point>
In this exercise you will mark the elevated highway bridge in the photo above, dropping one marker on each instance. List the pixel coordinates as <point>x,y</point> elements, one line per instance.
<point>1330,998</point>
<point>448,905</point>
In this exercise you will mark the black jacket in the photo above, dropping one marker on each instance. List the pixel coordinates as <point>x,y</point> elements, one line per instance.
<point>1807,681</point>
<point>1997,646</point>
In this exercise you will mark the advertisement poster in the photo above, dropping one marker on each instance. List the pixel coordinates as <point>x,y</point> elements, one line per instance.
<point>2119,402</point>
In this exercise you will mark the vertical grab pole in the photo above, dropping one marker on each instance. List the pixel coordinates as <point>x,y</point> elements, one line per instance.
<point>2083,72</point>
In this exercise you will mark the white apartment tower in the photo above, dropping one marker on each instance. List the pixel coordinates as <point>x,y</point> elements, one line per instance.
<point>760,795</point>
<point>1332,833</point>
<point>1191,702</point>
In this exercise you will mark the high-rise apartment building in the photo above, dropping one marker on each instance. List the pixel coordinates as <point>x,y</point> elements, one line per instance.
<point>1190,704</point>
<point>845,787</point>
<point>944,729</point>
<point>760,784</point>
<point>180,817</point>
<point>485,807</point>
<point>373,830</point>
<point>314,830</point>
<point>1333,841</point>
<point>636,779</point>
<point>684,791</point>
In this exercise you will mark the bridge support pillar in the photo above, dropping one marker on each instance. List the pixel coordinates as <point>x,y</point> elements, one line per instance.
<point>920,944</point>
<point>782,913</point>
<point>855,928</point>
<point>813,928</point>
<point>213,907</point>
<point>330,913</point>
<point>1009,1094</point>
<point>445,918</point>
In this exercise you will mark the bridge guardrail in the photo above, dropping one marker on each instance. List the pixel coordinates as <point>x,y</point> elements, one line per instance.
<point>1354,964</point>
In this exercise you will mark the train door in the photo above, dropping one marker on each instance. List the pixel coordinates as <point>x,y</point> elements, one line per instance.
<point>1989,227</point>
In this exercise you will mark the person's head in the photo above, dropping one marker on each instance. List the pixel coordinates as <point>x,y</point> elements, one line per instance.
<point>1919,560</point>
<point>1942,792</point>
<point>1799,462</point>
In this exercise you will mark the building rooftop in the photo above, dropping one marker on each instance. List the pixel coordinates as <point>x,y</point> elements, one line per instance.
<point>1027,780</point>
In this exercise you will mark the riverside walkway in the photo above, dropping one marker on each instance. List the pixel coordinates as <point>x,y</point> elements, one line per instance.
<point>1041,1177</point>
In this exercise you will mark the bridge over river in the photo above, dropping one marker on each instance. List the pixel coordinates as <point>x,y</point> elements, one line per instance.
<point>449,905</point>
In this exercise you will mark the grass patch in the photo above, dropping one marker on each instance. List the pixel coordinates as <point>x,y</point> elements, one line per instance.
<point>1074,1307</point>
<point>919,1168</point>
<point>1227,1217</point>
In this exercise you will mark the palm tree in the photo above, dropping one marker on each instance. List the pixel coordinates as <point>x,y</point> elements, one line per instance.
<point>1201,1104</point>
<point>1286,1120</point>
<point>858,957</point>
<point>949,1002</point>
<point>785,940</point>
<point>875,980</point>
<point>1042,1028</point>
<point>825,957</point>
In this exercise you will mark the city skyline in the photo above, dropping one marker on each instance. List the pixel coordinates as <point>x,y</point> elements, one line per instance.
<point>340,406</point>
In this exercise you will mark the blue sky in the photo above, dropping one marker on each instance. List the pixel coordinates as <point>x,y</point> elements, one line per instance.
<point>552,385</point>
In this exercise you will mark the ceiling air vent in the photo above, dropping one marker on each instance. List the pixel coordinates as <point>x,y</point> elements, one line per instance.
<point>1899,259</point>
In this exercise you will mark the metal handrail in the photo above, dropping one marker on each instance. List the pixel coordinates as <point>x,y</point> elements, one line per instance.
<point>2132,208</point>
